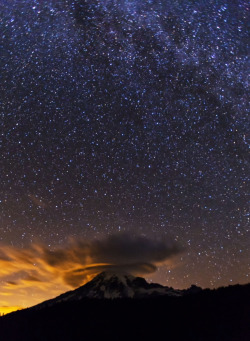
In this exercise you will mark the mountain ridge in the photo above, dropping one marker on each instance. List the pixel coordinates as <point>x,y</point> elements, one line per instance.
<point>112,285</point>
<point>219,314</point>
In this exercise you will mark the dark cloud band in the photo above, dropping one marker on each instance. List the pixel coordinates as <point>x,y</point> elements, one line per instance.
<point>80,260</point>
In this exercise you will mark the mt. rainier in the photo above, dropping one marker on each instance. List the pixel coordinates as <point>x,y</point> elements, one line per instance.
<point>110,285</point>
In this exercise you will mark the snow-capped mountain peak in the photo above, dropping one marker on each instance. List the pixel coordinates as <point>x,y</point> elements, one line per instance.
<point>111,285</point>
<point>119,285</point>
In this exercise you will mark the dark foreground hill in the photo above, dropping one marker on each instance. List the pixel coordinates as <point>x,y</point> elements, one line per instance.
<point>207,315</point>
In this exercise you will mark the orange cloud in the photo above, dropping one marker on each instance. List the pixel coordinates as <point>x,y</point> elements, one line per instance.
<point>31,275</point>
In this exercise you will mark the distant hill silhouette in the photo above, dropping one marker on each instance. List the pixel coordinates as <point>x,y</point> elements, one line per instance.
<point>203,315</point>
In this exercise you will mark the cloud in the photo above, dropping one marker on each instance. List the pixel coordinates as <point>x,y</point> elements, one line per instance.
<point>37,269</point>
<point>74,278</point>
<point>11,283</point>
<point>3,256</point>
<point>81,260</point>
<point>124,248</point>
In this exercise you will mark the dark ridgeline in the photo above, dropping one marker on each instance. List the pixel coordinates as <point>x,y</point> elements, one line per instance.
<point>203,315</point>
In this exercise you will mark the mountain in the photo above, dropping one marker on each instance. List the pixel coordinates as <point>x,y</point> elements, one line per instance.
<point>122,307</point>
<point>111,285</point>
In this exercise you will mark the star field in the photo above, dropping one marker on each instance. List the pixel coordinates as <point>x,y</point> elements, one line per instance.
<point>128,116</point>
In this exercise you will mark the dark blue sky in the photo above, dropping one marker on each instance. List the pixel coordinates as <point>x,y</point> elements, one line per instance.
<point>128,116</point>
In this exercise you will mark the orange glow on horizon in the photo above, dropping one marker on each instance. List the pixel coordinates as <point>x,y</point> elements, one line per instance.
<point>7,310</point>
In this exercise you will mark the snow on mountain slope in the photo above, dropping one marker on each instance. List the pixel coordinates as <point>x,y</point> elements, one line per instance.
<point>110,285</point>
<point>113,285</point>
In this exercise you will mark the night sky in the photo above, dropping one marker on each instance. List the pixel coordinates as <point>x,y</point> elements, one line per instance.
<point>126,118</point>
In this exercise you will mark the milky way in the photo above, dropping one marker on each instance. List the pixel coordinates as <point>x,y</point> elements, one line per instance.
<point>128,116</point>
